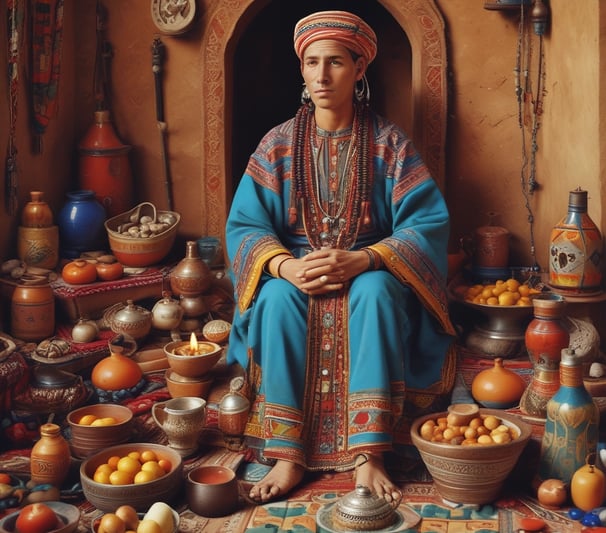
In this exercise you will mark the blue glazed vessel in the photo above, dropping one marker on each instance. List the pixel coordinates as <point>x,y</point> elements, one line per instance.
<point>81,224</point>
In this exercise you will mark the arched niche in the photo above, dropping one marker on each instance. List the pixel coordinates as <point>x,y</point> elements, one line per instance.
<point>227,22</point>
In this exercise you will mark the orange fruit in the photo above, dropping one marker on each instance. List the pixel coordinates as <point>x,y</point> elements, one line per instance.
<point>105,421</point>
<point>110,523</point>
<point>102,477</point>
<point>135,455</point>
<point>113,461</point>
<point>154,468</point>
<point>87,420</point>
<point>165,464</point>
<point>104,468</point>
<point>507,298</point>
<point>144,476</point>
<point>148,526</point>
<point>129,516</point>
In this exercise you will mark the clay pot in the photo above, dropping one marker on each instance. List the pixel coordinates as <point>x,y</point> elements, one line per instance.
<point>36,213</point>
<point>108,268</point>
<point>116,372</point>
<point>33,310</point>
<point>498,387</point>
<point>50,457</point>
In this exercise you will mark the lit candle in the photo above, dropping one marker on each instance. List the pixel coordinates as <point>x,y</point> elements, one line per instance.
<point>193,345</point>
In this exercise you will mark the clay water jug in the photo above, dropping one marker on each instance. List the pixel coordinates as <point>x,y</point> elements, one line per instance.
<point>50,457</point>
<point>104,166</point>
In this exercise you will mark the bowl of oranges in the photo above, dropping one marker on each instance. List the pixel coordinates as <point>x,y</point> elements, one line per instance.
<point>98,426</point>
<point>138,473</point>
<point>499,313</point>
<point>469,460</point>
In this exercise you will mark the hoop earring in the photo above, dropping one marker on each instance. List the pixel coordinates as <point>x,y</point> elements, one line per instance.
<point>305,96</point>
<point>362,90</point>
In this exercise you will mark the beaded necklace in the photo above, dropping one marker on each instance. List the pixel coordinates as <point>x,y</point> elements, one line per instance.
<point>333,224</point>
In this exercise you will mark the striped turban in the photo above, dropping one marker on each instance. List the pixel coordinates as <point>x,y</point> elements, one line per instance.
<point>341,26</point>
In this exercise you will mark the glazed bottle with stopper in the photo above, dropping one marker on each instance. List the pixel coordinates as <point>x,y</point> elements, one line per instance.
<point>571,424</point>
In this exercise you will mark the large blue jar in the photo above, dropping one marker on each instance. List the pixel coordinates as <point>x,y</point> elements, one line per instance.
<point>571,424</point>
<point>81,224</point>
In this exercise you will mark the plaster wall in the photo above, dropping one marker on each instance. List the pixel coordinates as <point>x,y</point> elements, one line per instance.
<point>483,165</point>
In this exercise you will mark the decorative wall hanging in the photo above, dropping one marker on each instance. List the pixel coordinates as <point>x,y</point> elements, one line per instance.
<point>47,41</point>
<point>173,17</point>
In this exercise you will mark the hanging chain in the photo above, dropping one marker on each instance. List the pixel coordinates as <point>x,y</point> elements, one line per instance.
<point>532,105</point>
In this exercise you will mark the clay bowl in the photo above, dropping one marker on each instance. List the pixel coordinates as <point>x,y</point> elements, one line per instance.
<point>68,514</point>
<point>193,366</point>
<point>141,496</point>
<point>179,386</point>
<point>86,440</point>
<point>471,474</point>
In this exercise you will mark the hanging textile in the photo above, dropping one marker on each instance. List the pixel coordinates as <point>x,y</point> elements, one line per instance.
<point>47,40</point>
<point>15,16</point>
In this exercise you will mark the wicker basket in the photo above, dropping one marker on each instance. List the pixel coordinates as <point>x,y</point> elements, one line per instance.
<point>141,251</point>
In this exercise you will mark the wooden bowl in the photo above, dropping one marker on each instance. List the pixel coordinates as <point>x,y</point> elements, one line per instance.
<point>193,366</point>
<point>86,440</point>
<point>141,251</point>
<point>179,386</point>
<point>471,474</point>
<point>141,496</point>
<point>68,514</point>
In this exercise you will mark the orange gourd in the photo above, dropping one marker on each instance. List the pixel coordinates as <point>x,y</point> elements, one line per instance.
<point>116,372</point>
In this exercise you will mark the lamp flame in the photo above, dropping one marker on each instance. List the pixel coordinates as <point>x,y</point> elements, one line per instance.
<point>193,344</point>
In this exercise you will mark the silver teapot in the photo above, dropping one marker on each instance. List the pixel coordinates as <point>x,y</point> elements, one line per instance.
<point>364,510</point>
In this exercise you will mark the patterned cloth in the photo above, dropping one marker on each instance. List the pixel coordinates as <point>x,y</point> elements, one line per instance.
<point>341,26</point>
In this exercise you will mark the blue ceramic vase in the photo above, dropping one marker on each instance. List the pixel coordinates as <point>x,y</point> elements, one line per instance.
<point>81,224</point>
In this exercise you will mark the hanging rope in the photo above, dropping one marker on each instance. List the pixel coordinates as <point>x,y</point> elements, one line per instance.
<point>530,108</point>
<point>47,41</point>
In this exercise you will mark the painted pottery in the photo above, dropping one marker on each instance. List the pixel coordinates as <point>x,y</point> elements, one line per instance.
<point>81,224</point>
<point>545,338</point>
<point>133,320</point>
<point>576,250</point>
<point>38,247</point>
<point>571,424</point>
<point>104,166</point>
<point>50,457</point>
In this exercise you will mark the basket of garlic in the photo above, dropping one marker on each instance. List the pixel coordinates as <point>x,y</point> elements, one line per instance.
<point>142,236</point>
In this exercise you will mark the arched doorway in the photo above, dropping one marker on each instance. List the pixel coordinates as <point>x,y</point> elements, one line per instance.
<point>247,50</point>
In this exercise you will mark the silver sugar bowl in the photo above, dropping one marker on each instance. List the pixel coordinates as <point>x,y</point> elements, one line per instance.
<point>364,510</point>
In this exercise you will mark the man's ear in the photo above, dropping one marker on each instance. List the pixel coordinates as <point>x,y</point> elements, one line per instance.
<point>360,68</point>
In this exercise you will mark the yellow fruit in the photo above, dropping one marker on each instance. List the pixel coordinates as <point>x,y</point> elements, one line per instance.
<point>119,477</point>
<point>507,298</point>
<point>485,439</point>
<point>153,467</point>
<point>87,420</point>
<point>144,476</point>
<point>105,421</point>
<point>113,461</point>
<point>128,464</point>
<point>493,300</point>
<point>512,284</point>
<point>148,526</point>
<point>110,523</point>
<point>148,455</point>
<point>135,455</point>
<point>524,290</point>
<point>491,422</point>
<point>129,516</point>
<point>102,477</point>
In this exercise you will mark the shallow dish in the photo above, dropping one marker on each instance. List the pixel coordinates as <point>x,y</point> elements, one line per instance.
<point>141,496</point>
<point>68,514</point>
<point>471,474</point>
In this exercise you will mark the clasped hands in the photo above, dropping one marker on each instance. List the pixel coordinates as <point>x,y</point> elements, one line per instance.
<point>323,271</point>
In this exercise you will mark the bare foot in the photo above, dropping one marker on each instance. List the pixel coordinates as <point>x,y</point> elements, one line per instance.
<point>281,479</point>
<point>370,472</point>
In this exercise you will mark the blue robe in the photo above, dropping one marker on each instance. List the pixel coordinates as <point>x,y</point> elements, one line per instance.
<point>330,374</point>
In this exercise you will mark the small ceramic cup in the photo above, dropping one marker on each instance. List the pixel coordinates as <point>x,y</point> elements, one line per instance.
<point>212,491</point>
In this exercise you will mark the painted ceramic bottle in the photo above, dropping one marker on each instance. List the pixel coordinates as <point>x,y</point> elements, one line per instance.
<point>50,457</point>
<point>571,424</point>
<point>37,236</point>
<point>576,251</point>
<point>545,338</point>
